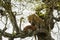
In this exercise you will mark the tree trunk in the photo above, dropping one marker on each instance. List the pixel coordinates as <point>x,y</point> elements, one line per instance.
<point>0,37</point>
<point>11,38</point>
<point>46,38</point>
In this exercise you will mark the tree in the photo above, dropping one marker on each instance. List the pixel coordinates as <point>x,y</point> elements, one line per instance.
<point>43,22</point>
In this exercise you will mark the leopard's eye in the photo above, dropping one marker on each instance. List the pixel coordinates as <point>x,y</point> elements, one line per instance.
<point>30,21</point>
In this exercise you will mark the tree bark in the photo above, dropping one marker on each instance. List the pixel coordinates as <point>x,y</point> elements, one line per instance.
<point>11,38</point>
<point>12,17</point>
<point>0,36</point>
<point>47,38</point>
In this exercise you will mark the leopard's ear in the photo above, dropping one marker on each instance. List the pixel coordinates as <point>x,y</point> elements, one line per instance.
<point>35,19</point>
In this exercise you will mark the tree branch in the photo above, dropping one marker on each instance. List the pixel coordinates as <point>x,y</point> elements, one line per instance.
<point>57,19</point>
<point>7,6</point>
